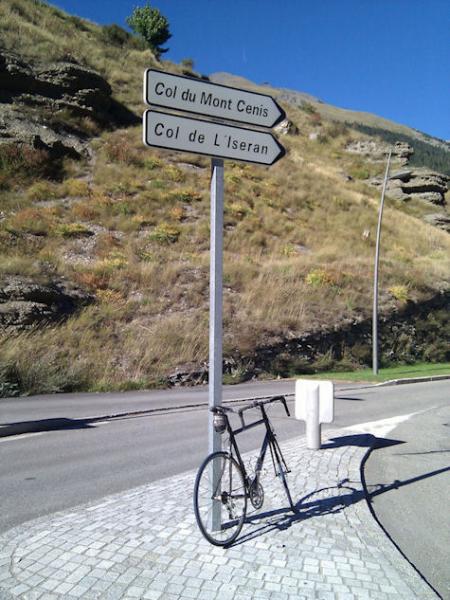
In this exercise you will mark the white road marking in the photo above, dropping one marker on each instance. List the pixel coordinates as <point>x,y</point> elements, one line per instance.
<point>382,427</point>
<point>20,436</point>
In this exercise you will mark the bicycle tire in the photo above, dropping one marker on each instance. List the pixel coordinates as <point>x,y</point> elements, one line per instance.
<point>230,487</point>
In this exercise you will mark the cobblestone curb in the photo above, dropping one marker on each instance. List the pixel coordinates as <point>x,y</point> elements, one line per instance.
<point>145,543</point>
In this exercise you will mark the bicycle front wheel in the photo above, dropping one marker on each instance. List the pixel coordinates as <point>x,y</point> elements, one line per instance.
<point>220,499</point>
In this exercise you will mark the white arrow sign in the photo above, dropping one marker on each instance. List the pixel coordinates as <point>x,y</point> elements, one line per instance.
<point>162,130</point>
<point>210,99</point>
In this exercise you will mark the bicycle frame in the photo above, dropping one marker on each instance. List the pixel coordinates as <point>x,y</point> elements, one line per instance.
<point>270,442</point>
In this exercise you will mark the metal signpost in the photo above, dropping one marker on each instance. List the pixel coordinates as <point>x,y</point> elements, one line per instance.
<point>218,140</point>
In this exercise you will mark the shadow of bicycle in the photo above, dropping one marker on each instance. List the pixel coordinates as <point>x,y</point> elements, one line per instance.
<point>326,500</point>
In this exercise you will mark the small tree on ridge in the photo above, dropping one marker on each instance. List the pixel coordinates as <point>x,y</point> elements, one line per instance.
<point>152,26</point>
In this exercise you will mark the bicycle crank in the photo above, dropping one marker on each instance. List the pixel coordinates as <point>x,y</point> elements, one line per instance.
<point>256,494</point>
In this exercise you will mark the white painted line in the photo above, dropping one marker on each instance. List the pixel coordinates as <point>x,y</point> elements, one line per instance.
<point>20,436</point>
<point>382,427</point>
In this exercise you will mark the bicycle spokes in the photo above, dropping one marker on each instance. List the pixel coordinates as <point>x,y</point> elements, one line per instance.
<point>220,515</point>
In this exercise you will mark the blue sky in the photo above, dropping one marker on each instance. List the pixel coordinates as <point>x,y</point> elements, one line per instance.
<point>388,57</point>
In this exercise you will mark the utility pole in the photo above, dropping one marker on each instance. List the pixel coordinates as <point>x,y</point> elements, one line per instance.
<point>375,275</point>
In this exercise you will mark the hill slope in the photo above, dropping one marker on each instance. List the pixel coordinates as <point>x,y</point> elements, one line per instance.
<point>128,229</point>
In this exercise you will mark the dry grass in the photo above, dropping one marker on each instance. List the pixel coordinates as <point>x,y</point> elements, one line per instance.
<point>297,257</point>
<point>298,242</point>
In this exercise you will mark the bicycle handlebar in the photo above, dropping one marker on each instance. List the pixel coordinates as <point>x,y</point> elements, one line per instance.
<point>255,404</point>
<point>260,403</point>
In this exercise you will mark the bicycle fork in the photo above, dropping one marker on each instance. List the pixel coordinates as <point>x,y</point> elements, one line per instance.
<point>278,457</point>
<point>279,464</point>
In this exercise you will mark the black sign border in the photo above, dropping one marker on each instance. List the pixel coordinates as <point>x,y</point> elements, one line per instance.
<point>254,162</point>
<point>281,118</point>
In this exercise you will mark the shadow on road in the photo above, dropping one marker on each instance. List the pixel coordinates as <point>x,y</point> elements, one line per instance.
<point>352,399</point>
<point>362,441</point>
<point>41,425</point>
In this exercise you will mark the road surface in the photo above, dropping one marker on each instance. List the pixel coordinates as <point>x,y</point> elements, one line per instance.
<point>44,472</point>
<point>410,487</point>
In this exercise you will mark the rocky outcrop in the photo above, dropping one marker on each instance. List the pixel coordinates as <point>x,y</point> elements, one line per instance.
<point>379,151</point>
<point>441,220</point>
<point>25,303</point>
<point>46,106</point>
<point>17,127</point>
<point>420,183</point>
<point>286,127</point>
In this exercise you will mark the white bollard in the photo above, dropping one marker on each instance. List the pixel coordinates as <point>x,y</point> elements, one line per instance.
<point>313,428</point>
<point>314,404</point>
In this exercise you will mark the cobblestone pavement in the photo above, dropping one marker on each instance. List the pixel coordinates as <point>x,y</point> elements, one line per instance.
<point>145,543</point>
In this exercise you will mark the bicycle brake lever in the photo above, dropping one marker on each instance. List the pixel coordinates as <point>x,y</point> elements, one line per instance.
<point>285,406</point>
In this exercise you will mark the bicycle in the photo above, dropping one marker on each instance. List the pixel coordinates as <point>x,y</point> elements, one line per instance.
<point>223,486</point>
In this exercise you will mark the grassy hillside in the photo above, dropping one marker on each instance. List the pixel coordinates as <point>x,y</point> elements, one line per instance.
<point>131,225</point>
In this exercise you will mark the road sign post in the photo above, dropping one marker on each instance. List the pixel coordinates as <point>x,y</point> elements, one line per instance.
<point>218,140</point>
<point>215,321</point>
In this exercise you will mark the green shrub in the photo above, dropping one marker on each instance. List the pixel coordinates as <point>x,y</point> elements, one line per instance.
<point>308,108</point>
<point>437,352</point>
<point>114,34</point>
<point>22,376</point>
<point>318,277</point>
<point>72,230</point>
<point>30,220</point>
<point>186,195</point>
<point>165,234</point>
<point>151,163</point>
<point>359,172</point>
<point>400,292</point>
<point>42,190</point>
<point>78,23</point>
<point>76,188</point>
<point>9,381</point>
<point>119,150</point>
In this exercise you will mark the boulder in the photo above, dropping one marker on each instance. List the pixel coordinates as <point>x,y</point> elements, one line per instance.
<point>25,303</point>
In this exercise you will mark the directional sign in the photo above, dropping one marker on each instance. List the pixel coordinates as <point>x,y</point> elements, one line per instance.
<point>210,99</point>
<point>164,130</point>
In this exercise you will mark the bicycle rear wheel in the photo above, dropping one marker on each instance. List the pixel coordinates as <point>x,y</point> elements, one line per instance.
<point>220,499</point>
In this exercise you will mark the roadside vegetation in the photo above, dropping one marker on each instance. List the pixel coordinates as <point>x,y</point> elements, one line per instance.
<point>132,227</point>
<point>386,374</point>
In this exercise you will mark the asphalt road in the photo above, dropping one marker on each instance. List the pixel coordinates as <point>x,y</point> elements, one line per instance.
<point>44,472</point>
<point>410,486</point>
